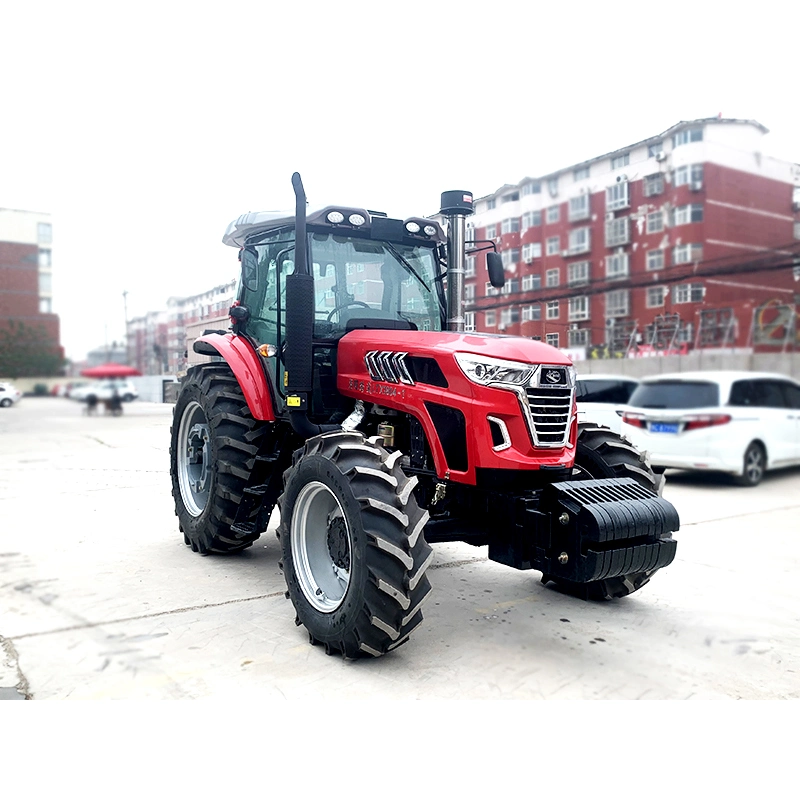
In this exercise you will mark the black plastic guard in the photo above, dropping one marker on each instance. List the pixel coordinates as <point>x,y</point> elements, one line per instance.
<point>607,527</point>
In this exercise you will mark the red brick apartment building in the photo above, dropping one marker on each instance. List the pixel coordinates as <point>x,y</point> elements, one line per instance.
<point>684,240</point>
<point>26,294</point>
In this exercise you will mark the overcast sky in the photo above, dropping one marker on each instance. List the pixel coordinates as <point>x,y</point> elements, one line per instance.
<point>145,129</point>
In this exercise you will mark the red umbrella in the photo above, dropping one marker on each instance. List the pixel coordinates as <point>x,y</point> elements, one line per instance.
<point>110,371</point>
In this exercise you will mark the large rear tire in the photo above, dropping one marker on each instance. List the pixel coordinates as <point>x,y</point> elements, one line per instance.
<point>214,443</point>
<point>354,555</point>
<point>601,453</point>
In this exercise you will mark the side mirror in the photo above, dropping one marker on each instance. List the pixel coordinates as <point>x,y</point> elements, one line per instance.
<point>497,275</point>
<point>249,259</point>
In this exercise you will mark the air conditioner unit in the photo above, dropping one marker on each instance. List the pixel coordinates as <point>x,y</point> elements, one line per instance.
<point>622,178</point>
<point>529,260</point>
<point>501,326</point>
<point>662,156</point>
<point>696,186</point>
<point>609,216</point>
<point>564,253</point>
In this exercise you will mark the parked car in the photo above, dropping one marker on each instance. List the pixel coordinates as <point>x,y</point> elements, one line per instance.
<point>9,395</point>
<point>741,423</point>
<point>104,390</point>
<point>599,398</point>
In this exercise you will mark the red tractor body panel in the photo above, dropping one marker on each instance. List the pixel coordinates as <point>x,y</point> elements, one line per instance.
<point>246,365</point>
<point>474,401</point>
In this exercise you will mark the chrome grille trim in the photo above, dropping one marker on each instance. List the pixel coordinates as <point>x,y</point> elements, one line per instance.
<point>388,366</point>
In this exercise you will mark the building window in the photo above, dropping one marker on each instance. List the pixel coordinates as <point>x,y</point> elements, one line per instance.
<point>532,188</point>
<point>581,173</point>
<point>686,253</point>
<point>469,267</point>
<point>552,309</point>
<point>530,283</point>
<point>530,219</point>
<point>510,225</point>
<point>489,319</point>
<point>510,256</point>
<point>578,273</point>
<point>654,149</point>
<point>469,321</point>
<point>617,266</point>
<point>578,337</point>
<point>691,174</point>
<point>617,303</point>
<point>683,215</point>
<point>45,258</point>
<point>553,213</point>
<point>653,185</point>
<point>553,245</point>
<point>551,339</point>
<point>552,277</point>
<point>490,204</point>
<point>44,233</point>
<point>579,241</point>
<point>686,136</point>
<point>490,290</point>
<point>688,293</point>
<point>797,230</point>
<point>510,286</point>
<point>552,186</point>
<point>469,292</point>
<point>579,207</point>
<point>618,231</point>
<point>45,305</point>
<point>508,316</point>
<point>655,296</point>
<point>655,221</point>
<point>617,196</point>
<point>618,162</point>
<point>531,251</point>
<point>655,259</point>
<point>510,198</point>
<point>491,231</point>
<point>578,308</point>
<point>531,313</point>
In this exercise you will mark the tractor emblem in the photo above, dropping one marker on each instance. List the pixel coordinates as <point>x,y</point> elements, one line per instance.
<point>553,376</point>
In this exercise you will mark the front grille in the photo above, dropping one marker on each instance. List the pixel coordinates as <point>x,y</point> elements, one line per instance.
<point>549,414</point>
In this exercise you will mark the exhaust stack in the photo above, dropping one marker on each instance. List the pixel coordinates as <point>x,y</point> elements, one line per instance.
<point>456,207</point>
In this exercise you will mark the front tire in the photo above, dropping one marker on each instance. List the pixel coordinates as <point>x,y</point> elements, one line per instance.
<point>5,402</point>
<point>354,555</point>
<point>214,443</point>
<point>601,453</point>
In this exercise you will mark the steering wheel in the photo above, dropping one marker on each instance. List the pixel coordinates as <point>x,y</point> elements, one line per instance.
<point>345,305</point>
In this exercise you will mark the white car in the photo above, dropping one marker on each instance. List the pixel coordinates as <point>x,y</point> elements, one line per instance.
<point>600,398</point>
<point>9,395</point>
<point>742,423</point>
<point>104,390</point>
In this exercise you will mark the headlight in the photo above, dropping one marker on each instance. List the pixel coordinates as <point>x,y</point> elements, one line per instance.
<point>485,370</point>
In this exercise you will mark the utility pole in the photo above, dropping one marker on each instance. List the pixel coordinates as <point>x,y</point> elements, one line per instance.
<point>125,303</point>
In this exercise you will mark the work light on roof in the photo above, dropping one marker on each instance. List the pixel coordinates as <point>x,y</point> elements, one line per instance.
<point>412,227</point>
<point>356,219</point>
<point>429,230</point>
<point>335,217</point>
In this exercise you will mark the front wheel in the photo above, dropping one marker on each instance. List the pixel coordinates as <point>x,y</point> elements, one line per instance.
<point>5,402</point>
<point>354,555</point>
<point>601,453</point>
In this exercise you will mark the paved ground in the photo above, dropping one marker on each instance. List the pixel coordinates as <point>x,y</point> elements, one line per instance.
<point>100,598</point>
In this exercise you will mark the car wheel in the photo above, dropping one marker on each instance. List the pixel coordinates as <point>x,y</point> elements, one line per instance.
<point>755,464</point>
<point>5,402</point>
<point>127,398</point>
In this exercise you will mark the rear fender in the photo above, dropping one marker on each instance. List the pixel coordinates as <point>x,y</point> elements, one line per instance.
<point>246,366</point>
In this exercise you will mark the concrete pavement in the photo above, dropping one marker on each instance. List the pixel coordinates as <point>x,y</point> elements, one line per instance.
<point>100,598</point>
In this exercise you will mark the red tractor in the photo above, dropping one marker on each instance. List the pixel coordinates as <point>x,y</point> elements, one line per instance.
<point>348,393</point>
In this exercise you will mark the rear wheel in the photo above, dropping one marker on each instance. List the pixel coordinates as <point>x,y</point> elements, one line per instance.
<point>755,464</point>
<point>354,555</point>
<point>601,453</point>
<point>214,443</point>
<point>5,402</point>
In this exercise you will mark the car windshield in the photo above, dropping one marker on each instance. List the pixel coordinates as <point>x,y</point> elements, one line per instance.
<point>675,394</point>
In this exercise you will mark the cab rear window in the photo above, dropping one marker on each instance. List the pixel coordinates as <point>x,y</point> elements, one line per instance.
<point>675,394</point>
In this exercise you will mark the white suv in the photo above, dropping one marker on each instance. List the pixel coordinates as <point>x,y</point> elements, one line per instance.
<point>104,390</point>
<point>742,423</point>
<point>9,395</point>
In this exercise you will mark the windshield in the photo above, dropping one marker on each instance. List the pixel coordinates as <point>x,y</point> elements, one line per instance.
<point>359,283</point>
<point>675,394</point>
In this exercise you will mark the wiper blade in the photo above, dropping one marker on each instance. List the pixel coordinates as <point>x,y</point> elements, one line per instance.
<point>393,250</point>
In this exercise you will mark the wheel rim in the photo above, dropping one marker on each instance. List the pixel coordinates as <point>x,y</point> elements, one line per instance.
<point>754,465</point>
<point>194,459</point>
<point>321,549</point>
